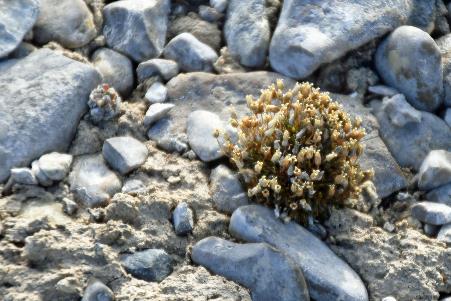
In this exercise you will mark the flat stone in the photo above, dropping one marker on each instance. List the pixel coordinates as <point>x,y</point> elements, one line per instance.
<point>55,165</point>
<point>182,218</point>
<point>167,69</point>
<point>97,291</point>
<point>445,234</point>
<point>68,22</point>
<point>136,28</point>
<point>200,128</point>
<point>23,175</point>
<point>43,98</point>
<point>421,82</point>
<point>92,182</point>
<point>256,223</point>
<point>383,90</point>
<point>267,272</point>
<point>150,265</point>
<point>435,170</point>
<point>440,195</point>
<point>432,213</point>
<point>226,189</point>
<point>124,154</point>
<point>246,31</point>
<point>156,112</point>
<point>156,93</point>
<point>12,31</point>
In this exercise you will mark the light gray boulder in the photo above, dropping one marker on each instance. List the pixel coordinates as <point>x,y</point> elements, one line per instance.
<point>328,277</point>
<point>16,19</point>
<point>55,166</point>
<point>265,271</point>
<point>156,93</point>
<point>167,69</point>
<point>136,28</point>
<point>440,195</point>
<point>43,98</point>
<point>182,217</point>
<point>156,112</point>
<point>68,22</point>
<point>97,291</point>
<point>200,128</point>
<point>435,170</point>
<point>150,265</point>
<point>432,213</point>
<point>124,154</point>
<point>226,189</point>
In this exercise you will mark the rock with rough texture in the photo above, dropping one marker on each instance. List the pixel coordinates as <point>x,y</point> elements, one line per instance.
<point>23,175</point>
<point>445,234</point>
<point>444,44</point>
<point>267,272</point>
<point>256,223</point>
<point>440,195</point>
<point>167,69</point>
<point>190,53</point>
<point>200,128</point>
<point>68,22</point>
<point>40,175</point>
<point>156,112</point>
<point>410,134</point>
<point>156,93</point>
<point>246,31</point>
<point>116,70</point>
<point>136,28</point>
<point>55,166</point>
<point>124,154</point>
<point>43,98</point>
<point>97,291</point>
<point>12,31</point>
<point>435,170</point>
<point>92,181</point>
<point>409,60</point>
<point>227,192</point>
<point>432,213</point>
<point>182,218</point>
<point>149,265</point>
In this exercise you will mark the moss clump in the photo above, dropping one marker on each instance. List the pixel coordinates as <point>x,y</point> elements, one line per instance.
<point>297,151</point>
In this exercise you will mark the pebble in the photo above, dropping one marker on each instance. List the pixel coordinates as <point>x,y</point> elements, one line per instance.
<point>156,112</point>
<point>69,207</point>
<point>445,234</point>
<point>219,5</point>
<point>97,291</point>
<point>382,90</point>
<point>265,271</point>
<point>167,69</point>
<point>182,218</point>
<point>40,175</point>
<point>133,186</point>
<point>23,175</point>
<point>431,230</point>
<point>440,195</point>
<point>156,93</point>
<point>190,53</point>
<point>435,170</point>
<point>432,213</point>
<point>55,166</point>
<point>124,154</point>
<point>150,265</point>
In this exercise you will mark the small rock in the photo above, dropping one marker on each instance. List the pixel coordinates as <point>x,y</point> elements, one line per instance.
<point>200,128</point>
<point>133,186</point>
<point>448,117</point>
<point>40,175</point>
<point>435,170</point>
<point>124,154</point>
<point>440,195</point>
<point>219,5</point>
<point>445,234</point>
<point>383,90</point>
<point>267,272</point>
<point>97,291</point>
<point>183,219</point>
<point>432,213</point>
<point>431,230</point>
<point>226,189</point>
<point>136,28</point>
<point>389,227</point>
<point>167,69</point>
<point>24,176</point>
<point>69,206</point>
<point>190,53</point>
<point>209,14</point>
<point>226,63</point>
<point>55,166</point>
<point>150,265</point>
<point>156,93</point>
<point>389,298</point>
<point>104,103</point>
<point>69,285</point>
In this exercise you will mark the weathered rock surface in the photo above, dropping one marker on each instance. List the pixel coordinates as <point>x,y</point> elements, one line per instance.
<point>444,44</point>
<point>43,97</point>
<point>256,223</point>
<point>440,195</point>
<point>55,166</point>
<point>435,170</point>
<point>167,69</point>
<point>432,213</point>
<point>124,154</point>
<point>267,272</point>
<point>149,265</point>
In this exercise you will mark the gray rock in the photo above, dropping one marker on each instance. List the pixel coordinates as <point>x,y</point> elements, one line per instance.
<point>167,69</point>
<point>124,154</point>
<point>226,189</point>
<point>209,14</point>
<point>431,230</point>
<point>69,207</point>
<point>409,60</point>
<point>267,272</point>
<point>440,195</point>
<point>16,19</point>
<point>22,50</point>
<point>383,90</point>
<point>410,134</point>
<point>156,93</point>
<point>116,70</point>
<point>55,166</point>
<point>246,31</point>
<point>40,175</point>
<point>43,97</point>
<point>445,234</point>
<point>97,291</point>
<point>219,5</point>
<point>68,22</point>
<point>389,298</point>
<point>256,223</point>
<point>444,44</point>
<point>23,175</point>
<point>136,28</point>
<point>156,112</point>
<point>165,139</point>
<point>190,53</point>
<point>133,186</point>
<point>435,170</point>
<point>432,213</point>
<point>92,182</point>
<point>182,218</point>
<point>200,128</point>
<point>149,265</point>
<point>448,117</point>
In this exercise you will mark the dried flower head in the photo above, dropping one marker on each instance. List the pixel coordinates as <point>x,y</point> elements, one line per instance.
<point>104,103</point>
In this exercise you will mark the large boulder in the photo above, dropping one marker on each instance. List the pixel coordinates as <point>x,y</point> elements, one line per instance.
<point>43,98</point>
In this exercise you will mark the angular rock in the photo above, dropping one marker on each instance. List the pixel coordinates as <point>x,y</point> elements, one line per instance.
<point>445,234</point>
<point>440,195</point>
<point>182,218</point>
<point>16,19</point>
<point>68,22</point>
<point>23,175</point>
<point>267,272</point>
<point>150,265</point>
<point>156,93</point>
<point>116,70</point>
<point>97,291</point>
<point>226,189</point>
<point>156,112</point>
<point>69,206</point>
<point>432,213</point>
<point>383,90</point>
<point>435,170</point>
<point>92,181</point>
<point>256,223</point>
<point>55,166</point>
<point>200,128</point>
<point>190,53</point>
<point>124,154</point>
<point>421,82</point>
<point>43,98</point>
<point>167,69</point>
<point>136,28</point>
<point>40,175</point>
<point>246,31</point>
